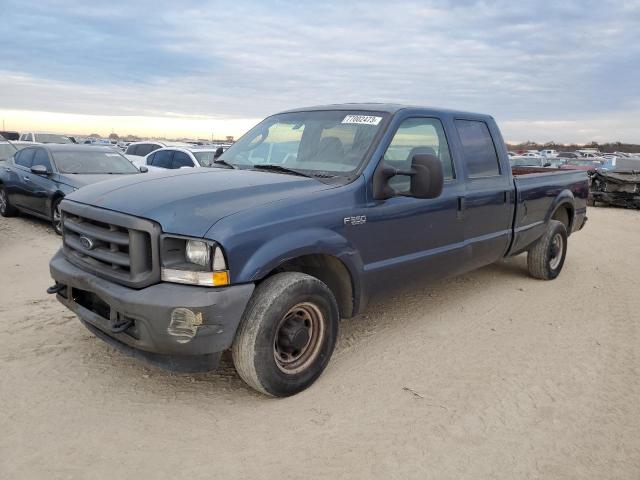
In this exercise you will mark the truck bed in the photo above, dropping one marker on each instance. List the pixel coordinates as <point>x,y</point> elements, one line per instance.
<point>538,192</point>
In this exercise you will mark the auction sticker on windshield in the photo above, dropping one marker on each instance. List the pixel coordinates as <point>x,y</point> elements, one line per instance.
<point>362,119</point>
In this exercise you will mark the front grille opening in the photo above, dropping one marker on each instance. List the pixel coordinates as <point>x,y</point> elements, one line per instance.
<point>125,255</point>
<point>92,302</point>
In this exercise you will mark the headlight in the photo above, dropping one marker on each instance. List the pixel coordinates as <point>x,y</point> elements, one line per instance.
<point>198,252</point>
<point>193,262</point>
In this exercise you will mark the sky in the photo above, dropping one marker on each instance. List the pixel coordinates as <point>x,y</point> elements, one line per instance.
<point>547,71</point>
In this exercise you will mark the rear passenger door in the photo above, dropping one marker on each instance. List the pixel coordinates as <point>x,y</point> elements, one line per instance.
<point>487,207</point>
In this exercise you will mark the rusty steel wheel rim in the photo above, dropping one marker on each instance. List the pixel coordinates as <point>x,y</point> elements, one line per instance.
<point>298,338</point>
<point>557,246</point>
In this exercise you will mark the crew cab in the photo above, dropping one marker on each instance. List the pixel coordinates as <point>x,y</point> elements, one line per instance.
<point>309,215</point>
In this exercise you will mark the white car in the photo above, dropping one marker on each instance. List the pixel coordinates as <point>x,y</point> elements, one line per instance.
<point>548,153</point>
<point>137,151</point>
<point>180,157</point>
<point>43,137</point>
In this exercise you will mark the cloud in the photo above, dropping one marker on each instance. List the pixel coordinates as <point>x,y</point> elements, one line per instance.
<point>530,61</point>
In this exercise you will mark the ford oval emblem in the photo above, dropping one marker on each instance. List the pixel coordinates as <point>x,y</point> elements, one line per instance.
<point>86,242</point>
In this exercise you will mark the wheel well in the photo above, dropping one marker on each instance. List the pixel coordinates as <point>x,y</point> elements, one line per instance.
<point>329,270</point>
<point>564,214</point>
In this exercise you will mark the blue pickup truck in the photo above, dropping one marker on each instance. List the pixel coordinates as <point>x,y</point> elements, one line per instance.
<point>297,225</point>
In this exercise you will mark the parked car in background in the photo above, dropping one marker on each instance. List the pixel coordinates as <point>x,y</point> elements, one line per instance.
<point>297,230</point>
<point>38,177</point>
<point>586,164</point>
<point>7,149</point>
<point>524,161</point>
<point>568,155</point>
<point>42,137</point>
<point>137,151</point>
<point>9,135</point>
<point>180,157</point>
<point>548,153</point>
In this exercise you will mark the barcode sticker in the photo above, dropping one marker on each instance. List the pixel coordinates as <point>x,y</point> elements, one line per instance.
<point>362,119</point>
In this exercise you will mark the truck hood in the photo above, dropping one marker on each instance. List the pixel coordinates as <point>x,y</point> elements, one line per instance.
<point>190,201</point>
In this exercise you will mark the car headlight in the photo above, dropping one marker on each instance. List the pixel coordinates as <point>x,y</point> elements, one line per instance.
<point>193,262</point>
<point>198,252</point>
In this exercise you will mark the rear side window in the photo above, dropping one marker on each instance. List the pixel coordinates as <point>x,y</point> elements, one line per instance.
<point>480,154</point>
<point>162,159</point>
<point>132,150</point>
<point>41,158</point>
<point>181,159</point>
<point>146,148</point>
<point>24,157</point>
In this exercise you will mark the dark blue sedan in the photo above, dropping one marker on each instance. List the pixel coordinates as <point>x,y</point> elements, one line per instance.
<point>37,178</point>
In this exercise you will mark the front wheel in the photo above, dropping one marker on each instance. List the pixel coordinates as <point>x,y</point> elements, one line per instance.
<point>287,334</point>
<point>56,218</point>
<point>546,258</point>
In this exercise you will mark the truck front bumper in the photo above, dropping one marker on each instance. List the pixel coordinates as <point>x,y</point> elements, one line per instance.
<point>105,308</point>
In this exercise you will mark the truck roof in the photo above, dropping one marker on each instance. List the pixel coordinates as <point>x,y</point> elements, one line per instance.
<point>385,107</point>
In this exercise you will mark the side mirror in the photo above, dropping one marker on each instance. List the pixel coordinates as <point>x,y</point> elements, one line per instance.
<point>40,170</point>
<point>219,151</point>
<point>546,164</point>
<point>143,169</point>
<point>427,178</point>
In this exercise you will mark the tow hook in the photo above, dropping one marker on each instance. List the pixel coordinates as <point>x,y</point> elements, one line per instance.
<point>55,288</point>
<point>121,326</point>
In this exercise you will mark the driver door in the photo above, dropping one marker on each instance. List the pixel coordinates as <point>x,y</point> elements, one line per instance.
<point>406,236</point>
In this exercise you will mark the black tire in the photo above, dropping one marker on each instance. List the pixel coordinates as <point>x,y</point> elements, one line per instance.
<point>6,209</point>
<point>546,257</point>
<point>56,222</point>
<point>274,326</point>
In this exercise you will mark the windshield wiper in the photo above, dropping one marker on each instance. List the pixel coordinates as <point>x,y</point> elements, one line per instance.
<point>220,161</point>
<point>280,168</point>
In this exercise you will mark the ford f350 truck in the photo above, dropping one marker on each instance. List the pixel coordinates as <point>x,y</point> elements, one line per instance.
<point>307,216</point>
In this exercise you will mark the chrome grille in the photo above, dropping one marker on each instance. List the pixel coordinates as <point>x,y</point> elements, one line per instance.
<point>113,245</point>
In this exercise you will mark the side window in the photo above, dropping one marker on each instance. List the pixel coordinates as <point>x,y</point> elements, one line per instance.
<point>162,159</point>
<point>480,154</point>
<point>150,159</point>
<point>42,158</point>
<point>417,136</point>
<point>132,150</point>
<point>151,147</point>
<point>181,159</point>
<point>25,157</point>
<point>145,149</point>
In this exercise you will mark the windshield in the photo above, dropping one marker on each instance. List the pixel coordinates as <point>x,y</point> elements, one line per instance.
<point>92,162</point>
<point>205,159</point>
<point>52,138</point>
<point>327,142</point>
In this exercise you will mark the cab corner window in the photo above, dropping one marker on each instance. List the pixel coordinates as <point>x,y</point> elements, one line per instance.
<point>480,155</point>
<point>417,136</point>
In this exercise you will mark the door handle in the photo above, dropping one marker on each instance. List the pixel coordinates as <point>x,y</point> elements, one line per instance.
<point>461,207</point>
<point>26,179</point>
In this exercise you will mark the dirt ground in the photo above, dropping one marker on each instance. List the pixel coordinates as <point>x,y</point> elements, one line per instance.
<point>490,375</point>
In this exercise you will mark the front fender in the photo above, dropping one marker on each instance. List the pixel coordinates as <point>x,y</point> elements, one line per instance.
<point>308,241</point>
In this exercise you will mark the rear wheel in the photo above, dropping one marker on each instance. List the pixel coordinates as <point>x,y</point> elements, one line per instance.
<point>287,334</point>
<point>56,218</point>
<point>6,209</point>
<point>546,258</point>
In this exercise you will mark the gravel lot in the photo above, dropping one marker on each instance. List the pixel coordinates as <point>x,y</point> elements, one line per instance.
<point>490,375</point>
